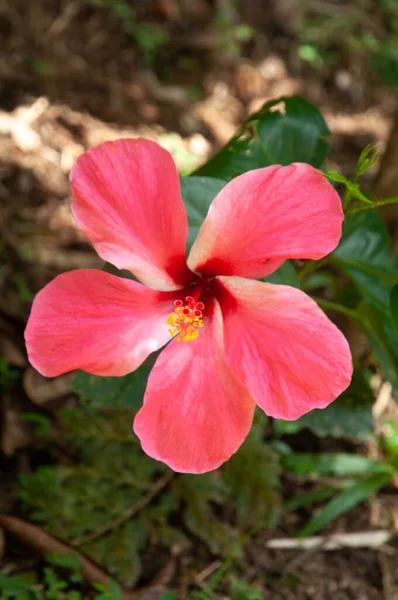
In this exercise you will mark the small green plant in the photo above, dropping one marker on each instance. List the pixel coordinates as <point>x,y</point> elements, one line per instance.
<point>356,478</point>
<point>61,580</point>
<point>73,501</point>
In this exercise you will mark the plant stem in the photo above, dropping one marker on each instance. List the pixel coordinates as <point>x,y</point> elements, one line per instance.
<point>392,200</point>
<point>327,305</point>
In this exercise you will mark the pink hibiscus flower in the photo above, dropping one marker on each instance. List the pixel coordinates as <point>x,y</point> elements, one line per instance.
<point>232,342</point>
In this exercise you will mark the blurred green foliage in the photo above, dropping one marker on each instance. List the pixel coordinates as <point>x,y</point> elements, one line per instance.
<point>150,37</point>
<point>367,28</point>
<point>61,580</point>
<point>82,502</point>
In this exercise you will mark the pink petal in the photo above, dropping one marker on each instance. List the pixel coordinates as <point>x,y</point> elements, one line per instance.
<point>195,414</point>
<point>127,201</point>
<point>282,347</point>
<point>97,322</point>
<point>265,216</point>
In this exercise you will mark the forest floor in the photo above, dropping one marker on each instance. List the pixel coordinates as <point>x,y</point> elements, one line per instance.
<point>74,74</point>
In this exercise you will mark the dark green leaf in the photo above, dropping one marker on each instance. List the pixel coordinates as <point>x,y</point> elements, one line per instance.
<point>346,500</point>
<point>198,193</point>
<point>348,416</point>
<point>394,305</point>
<point>285,275</point>
<point>364,255</point>
<point>296,133</point>
<point>113,392</point>
<point>384,341</point>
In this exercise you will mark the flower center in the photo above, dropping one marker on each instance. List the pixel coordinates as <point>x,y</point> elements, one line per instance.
<point>186,319</point>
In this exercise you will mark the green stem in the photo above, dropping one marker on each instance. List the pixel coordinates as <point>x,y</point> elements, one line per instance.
<point>327,305</point>
<point>392,200</point>
<point>348,194</point>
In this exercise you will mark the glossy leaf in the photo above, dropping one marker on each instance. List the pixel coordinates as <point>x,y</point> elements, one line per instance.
<point>350,415</point>
<point>285,275</point>
<point>364,255</point>
<point>285,130</point>
<point>198,193</point>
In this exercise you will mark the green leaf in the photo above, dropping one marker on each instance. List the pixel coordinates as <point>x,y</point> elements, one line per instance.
<point>296,133</point>
<point>389,442</point>
<point>285,275</point>
<point>346,500</point>
<point>198,193</point>
<point>383,339</point>
<point>364,255</point>
<point>113,392</point>
<point>12,586</point>
<point>317,495</point>
<point>350,415</point>
<point>339,464</point>
<point>394,305</point>
<point>70,561</point>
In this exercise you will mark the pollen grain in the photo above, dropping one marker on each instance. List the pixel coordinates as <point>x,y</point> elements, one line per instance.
<point>186,320</point>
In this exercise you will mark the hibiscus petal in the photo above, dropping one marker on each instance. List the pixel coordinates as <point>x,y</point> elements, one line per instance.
<point>127,201</point>
<point>91,320</point>
<point>282,347</point>
<point>265,216</point>
<point>195,414</point>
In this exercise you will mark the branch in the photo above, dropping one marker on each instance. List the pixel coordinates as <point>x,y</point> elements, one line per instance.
<point>361,539</point>
<point>38,539</point>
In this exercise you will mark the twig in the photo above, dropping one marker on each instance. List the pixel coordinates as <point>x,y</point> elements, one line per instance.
<point>383,399</point>
<point>388,593</point>
<point>209,570</point>
<point>59,24</point>
<point>361,539</point>
<point>45,543</point>
<point>126,514</point>
<point>386,202</point>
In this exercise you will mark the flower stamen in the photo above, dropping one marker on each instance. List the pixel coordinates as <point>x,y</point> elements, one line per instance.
<point>186,320</point>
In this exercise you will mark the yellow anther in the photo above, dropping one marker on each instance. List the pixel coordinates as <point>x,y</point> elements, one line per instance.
<point>186,320</point>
